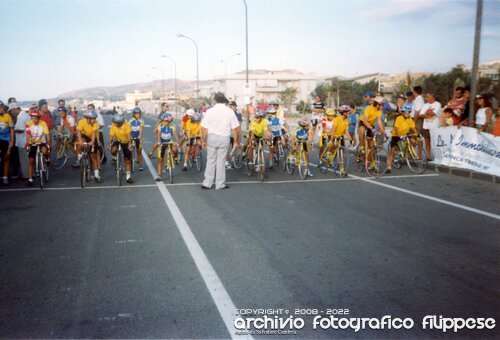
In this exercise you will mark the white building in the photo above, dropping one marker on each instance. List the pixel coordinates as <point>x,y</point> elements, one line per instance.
<point>266,84</point>
<point>132,99</point>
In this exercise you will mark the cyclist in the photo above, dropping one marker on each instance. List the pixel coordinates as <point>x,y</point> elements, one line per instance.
<point>258,129</point>
<point>37,132</point>
<point>371,117</point>
<point>67,126</point>
<point>278,130</point>
<point>6,140</point>
<point>164,108</point>
<point>137,125</point>
<point>193,135</point>
<point>120,133</point>
<point>100,122</point>
<point>326,130</point>
<point>305,135</point>
<point>165,134</point>
<point>340,130</point>
<point>403,124</point>
<point>87,131</point>
<point>186,118</point>
<point>353,121</point>
<point>318,109</point>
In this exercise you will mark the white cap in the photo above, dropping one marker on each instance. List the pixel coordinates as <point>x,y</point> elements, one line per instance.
<point>14,105</point>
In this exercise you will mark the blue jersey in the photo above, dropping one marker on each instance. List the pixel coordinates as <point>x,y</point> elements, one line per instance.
<point>352,122</point>
<point>302,134</point>
<point>135,125</point>
<point>166,134</point>
<point>275,126</point>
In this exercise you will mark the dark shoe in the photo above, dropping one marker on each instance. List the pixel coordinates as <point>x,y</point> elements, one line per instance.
<point>140,168</point>
<point>184,168</point>
<point>158,179</point>
<point>29,183</point>
<point>388,170</point>
<point>130,180</point>
<point>204,187</point>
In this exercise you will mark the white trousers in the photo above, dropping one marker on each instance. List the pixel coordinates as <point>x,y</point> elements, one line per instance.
<point>217,147</point>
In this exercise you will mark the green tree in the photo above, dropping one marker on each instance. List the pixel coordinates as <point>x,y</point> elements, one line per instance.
<point>288,96</point>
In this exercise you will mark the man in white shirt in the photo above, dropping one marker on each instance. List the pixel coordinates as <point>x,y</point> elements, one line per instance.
<point>20,129</point>
<point>430,113</point>
<point>216,128</point>
<point>416,107</point>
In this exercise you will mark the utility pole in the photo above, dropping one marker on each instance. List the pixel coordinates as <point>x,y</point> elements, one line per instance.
<point>475,60</point>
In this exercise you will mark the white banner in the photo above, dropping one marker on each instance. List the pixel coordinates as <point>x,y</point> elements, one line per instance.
<point>466,148</point>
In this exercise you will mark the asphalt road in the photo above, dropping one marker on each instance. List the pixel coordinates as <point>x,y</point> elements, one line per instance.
<point>151,260</point>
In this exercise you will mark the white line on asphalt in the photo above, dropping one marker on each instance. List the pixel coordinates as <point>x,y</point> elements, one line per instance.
<point>219,294</point>
<point>80,188</point>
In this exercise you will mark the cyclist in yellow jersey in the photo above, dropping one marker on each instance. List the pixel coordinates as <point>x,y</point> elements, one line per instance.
<point>193,135</point>
<point>371,117</point>
<point>121,133</point>
<point>402,125</point>
<point>258,129</point>
<point>37,133</point>
<point>326,129</point>
<point>87,131</point>
<point>186,118</point>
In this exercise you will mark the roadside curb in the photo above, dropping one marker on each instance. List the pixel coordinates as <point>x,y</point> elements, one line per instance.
<point>463,173</point>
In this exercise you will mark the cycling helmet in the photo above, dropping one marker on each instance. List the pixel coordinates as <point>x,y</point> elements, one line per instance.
<point>260,114</point>
<point>345,108</point>
<point>378,99</point>
<point>35,113</point>
<point>406,107</point>
<point>90,114</point>
<point>196,117</point>
<point>271,111</point>
<point>167,116</point>
<point>42,102</point>
<point>330,112</point>
<point>390,107</point>
<point>190,112</point>
<point>136,110</point>
<point>62,108</point>
<point>304,121</point>
<point>118,119</point>
<point>273,102</point>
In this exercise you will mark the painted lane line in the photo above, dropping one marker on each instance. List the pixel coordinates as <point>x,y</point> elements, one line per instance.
<point>80,188</point>
<point>221,298</point>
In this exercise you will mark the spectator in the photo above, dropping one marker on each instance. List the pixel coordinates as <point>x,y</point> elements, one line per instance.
<point>416,107</point>
<point>14,109</point>
<point>20,129</point>
<point>457,104</point>
<point>430,113</point>
<point>446,118</point>
<point>353,122</point>
<point>262,106</point>
<point>400,102</point>
<point>43,107</point>
<point>6,141</point>
<point>74,113</point>
<point>464,118</point>
<point>11,100</point>
<point>56,118</point>
<point>216,128</point>
<point>483,113</point>
<point>496,127</point>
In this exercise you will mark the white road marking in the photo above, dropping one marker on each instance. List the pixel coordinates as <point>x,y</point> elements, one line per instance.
<point>127,241</point>
<point>128,206</point>
<point>219,294</point>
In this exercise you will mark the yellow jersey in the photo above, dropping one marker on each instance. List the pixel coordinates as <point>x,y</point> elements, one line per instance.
<point>258,128</point>
<point>340,124</point>
<point>121,133</point>
<point>86,128</point>
<point>404,125</point>
<point>193,128</point>
<point>37,133</point>
<point>371,114</point>
<point>6,125</point>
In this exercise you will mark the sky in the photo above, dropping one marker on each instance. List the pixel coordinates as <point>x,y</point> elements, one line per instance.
<point>55,46</point>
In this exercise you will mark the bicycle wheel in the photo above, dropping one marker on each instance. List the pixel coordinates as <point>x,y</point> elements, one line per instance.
<point>324,162</point>
<point>377,163</point>
<point>397,160</point>
<point>236,158</point>
<point>198,159</point>
<point>83,171</point>
<point>119,168</point>
<point>284,156</point>
<point>132,157</point>
<point>261,165</point>
<point>303,165</point>
<point>249,164</point>
<point>61,157</point>
<point>39,161</point>
<point>359,157</point>
<point>340,163</point>
<point>416,164</point>
<point>289,166</point>
<point>45,170</point>
<point>170,166</point>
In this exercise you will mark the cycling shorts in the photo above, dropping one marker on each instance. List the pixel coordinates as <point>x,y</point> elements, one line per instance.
<point>127,154</point>
<point>32,150</point>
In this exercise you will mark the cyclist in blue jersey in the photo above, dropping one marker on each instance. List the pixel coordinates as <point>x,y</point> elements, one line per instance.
<point>352,118</point>
<point>137,125</point>
<point>302,134</point>
<point>278,130</point>
<point>165,134</point>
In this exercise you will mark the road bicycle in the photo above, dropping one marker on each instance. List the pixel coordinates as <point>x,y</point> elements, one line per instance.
<point>300,161</point>
<point>280,155</point>
<point>338,160</point>
<point>61,156</point>
<point>257,163</point>
<point>237,156</point>
<point>413,155</point>
<point>85,166</point>
<point>119,162</point>
<point>195,157</point>
<point>373,159</point>
<point>41,168</point>
<point>169,160</point>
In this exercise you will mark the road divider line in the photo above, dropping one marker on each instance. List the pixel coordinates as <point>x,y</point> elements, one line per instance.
<point>221,298</point>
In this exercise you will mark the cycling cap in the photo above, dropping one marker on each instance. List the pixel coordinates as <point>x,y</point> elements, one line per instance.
<point>190,112</point>
<point>118,119</point>
<point>378,99</point>
<point>345,108</point>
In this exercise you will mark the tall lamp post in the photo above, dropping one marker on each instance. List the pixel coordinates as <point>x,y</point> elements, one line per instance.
<point>246,52</point>
<point>475,60</point>
<point>197,67</point>
<point>175,77</point>
<point>163,80</point>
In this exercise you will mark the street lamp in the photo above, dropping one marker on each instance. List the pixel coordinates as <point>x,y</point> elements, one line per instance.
<point>163,80</point>
<point>175,77</point>
<point>197,68</point>
<point>246,50</point>
<point>154,83</point>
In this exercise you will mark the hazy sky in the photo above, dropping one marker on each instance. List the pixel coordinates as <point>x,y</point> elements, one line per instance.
<point>54,46</point>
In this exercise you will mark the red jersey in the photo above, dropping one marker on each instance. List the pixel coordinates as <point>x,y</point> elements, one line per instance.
<point>47,118</point>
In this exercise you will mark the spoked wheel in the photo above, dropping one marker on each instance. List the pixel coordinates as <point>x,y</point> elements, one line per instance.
<point>359,158</point>
<point>260,165</point>
<point>132,157</point>
<point>377,162</point>
<point>416,164</point>
<point>237,158</point>
<point>290,167</point>
<point>303,166</point>
<point>323,162</point>
<point>341,162</point>
<point>284,152</point>
<point>61,158</point>
<point>397,160</point>
<point>83,171</point>
<point>41,176</point>
<point>170,168</point>
<point>119,168</point>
